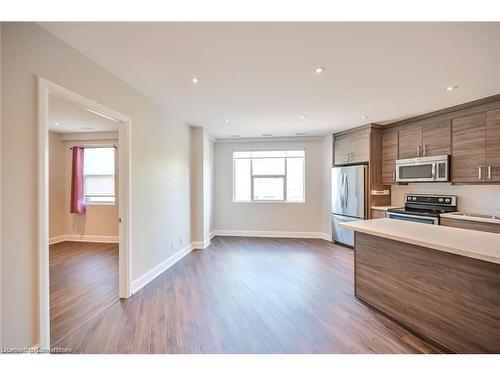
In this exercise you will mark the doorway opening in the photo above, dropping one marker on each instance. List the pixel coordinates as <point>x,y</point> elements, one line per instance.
<point>84,210</point>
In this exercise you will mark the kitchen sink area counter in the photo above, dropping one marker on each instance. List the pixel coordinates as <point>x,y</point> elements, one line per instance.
<point>443,283</point>
<point>493,219</point>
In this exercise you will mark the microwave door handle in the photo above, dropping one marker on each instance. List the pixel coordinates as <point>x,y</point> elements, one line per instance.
<point>433,171</point>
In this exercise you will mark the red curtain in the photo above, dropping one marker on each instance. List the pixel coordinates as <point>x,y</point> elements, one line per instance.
<point>77,198</point>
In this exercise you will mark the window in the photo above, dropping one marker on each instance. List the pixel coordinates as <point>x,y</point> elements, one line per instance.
<point>268,176</point>
<point>99,175</point>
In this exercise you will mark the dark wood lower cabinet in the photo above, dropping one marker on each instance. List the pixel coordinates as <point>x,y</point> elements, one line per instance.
<point>452,300</point>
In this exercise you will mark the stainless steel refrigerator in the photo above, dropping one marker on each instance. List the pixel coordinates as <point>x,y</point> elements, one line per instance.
<point>349,199</point>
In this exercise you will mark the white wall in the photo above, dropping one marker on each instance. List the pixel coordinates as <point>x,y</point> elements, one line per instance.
<point>482,199</point>
<point>57,196</point>
<point>196,173</point>
<point>327,184</point>
<point>1,117</point>
<point>160,152</point>
<point>260,216</point>
<point>212,186</point>
<point>202,184</point>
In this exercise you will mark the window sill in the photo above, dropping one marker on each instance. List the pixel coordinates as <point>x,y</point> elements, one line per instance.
<point>100,203</point>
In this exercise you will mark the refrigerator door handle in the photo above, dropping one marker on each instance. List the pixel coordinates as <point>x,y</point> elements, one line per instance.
<point>346,191</point>
<point>344,197</point>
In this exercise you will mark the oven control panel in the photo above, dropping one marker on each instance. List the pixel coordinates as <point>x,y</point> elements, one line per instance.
<point>440,200</point>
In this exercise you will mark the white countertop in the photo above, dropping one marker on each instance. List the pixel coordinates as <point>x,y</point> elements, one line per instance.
<point>385,208</point>
<point>472,217</point>
<point>465,242</point>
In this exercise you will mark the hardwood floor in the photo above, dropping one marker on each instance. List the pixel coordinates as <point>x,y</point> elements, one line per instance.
<point>248,295</point>
<point>83,282</point>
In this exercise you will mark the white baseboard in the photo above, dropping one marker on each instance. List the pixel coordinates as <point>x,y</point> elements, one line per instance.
<point>326,236</point>
<point>202,244</point>
<point>56,239</point>
<point>154,272</point>
<point>83,238</point>
<point>267,233</point>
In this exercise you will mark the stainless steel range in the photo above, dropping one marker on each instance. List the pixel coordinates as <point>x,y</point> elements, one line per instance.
<point>424,208</point>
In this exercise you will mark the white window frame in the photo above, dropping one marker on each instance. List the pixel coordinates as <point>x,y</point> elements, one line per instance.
<point>284,176</point>
<point>102,203</point>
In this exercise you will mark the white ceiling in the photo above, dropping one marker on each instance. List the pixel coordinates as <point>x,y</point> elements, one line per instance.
<point>66,117</point>
<point>259,75</point>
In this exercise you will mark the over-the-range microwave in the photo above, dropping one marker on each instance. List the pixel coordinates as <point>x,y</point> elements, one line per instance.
<point>425,169</point>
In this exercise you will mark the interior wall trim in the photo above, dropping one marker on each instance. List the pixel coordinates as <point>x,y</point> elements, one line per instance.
<point>266,233</point>
<point>157,270</point>
<point>84,238</point>
<point>202,244</point>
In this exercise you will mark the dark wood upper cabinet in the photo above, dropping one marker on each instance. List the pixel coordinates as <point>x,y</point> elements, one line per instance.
<point>389,156</point>
<point>469,132</point>
<point>469,147</point>
<point>352,148</point>
<point>436,139</point>
<point>492,162</point>
<point>410,142</point>
<point>432,139</point>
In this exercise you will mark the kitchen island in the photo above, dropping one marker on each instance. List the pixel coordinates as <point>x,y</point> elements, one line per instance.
<point>443,283</point>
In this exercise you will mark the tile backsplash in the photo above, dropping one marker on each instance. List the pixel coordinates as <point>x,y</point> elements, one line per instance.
<point>481,199</point>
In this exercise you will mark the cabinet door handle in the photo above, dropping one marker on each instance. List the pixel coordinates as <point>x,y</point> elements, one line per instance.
<point>418,150</point>
<point>489,172</point>
<point>394,175</point>
<point>480,174</point>
<point>425,150</point>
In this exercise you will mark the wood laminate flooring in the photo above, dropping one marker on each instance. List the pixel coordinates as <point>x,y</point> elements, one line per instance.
<point>83,282</point>
<point>248,295</point>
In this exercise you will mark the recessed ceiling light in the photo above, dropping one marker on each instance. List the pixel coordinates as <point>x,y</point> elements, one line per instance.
<point>234,136</point>
<point>302,116</point>
<point>87,128</point>
<point>318,70</point>
<point>364,117</point>
<point>300,133</point>
<point>195,80</point>
<point>450,88</point>
<point>267,135</point>
<point>226,120</point>
<point>56,124</point>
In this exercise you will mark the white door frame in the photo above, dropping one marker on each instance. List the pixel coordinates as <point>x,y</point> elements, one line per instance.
<point>45,89</point>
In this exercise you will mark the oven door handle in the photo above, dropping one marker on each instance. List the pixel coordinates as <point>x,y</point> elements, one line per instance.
<point>435,220</point>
